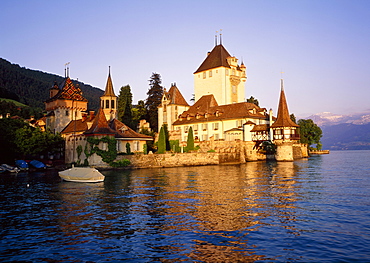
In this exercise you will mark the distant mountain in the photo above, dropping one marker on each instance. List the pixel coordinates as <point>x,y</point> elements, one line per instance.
<point>346,136</point>
<point>31,87</point>
<point>328,118</point>
<point>344,132</point>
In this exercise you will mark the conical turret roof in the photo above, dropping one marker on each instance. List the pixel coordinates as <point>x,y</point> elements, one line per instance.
<point>109,87</point>
<point>283,117</point>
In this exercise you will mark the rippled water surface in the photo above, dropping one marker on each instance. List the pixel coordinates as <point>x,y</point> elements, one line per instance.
<point>314,210</point>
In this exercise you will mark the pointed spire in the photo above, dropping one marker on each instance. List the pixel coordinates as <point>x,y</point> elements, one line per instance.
<point>109,91</point>
<point>283,117</point>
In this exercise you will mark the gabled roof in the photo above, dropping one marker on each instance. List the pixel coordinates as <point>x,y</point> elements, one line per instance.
<point>216,58</point>
<point>109,87</point>
<point>206,109</point>
<point>123,131</point>
<point>175,96</point>
<point>68,91</point>
<point>75,126</point>
<point>100,126</point>
<point>283,117</point>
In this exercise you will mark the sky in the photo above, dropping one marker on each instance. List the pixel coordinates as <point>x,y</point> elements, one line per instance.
<point>323,47</point>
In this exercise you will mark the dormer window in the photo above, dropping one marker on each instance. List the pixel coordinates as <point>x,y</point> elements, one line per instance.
<point>217,113</point>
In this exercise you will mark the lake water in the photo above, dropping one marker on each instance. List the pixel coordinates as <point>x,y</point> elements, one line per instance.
<point>315,210</point>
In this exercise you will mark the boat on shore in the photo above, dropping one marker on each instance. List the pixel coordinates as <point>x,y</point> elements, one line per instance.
<point>82,175</point>
<point>37,164</point>
<point>9,168</point>
<point>22,165</point>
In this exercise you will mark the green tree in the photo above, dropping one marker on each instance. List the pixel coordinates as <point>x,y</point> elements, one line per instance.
<point>162,141</point>
<point>124,107</point>
<point>293,118</point>
<point>310,132</point>
<point>190,140</point>
<point>253,100</point>
<point>138,112</point>
<point>167,136</point>
<point>33,141</point>
<point>8,146</point>
<point>153,100</point>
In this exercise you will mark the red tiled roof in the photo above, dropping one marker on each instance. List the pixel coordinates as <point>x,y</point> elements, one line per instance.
<point>175,96</point>
<point>283,117</point>
<point>216,58</point>
<point>260,127</point>
<point>68,92</point>
<point>123,131</point>
<point>100,126</point>
<point>208,110</point>
<point>75,126</point>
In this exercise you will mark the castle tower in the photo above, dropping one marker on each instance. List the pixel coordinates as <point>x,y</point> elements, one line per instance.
<point>108,102</point>
<point>220,75</point>
<point>172,104</point>
<point>285,131</point>
<point>64,105</point>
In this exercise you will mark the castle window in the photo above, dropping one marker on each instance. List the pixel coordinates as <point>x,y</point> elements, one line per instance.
<point>210,73</point>
<point>186,129</point>
<point>204,75</point>
<point>216,136</point>
<point>195,127</point>
<point>204,126</point>
<point>67,113</point>
<point>102,104</point>
<point>112,104</point>
<point>215,126</point>
<point>107,104</point>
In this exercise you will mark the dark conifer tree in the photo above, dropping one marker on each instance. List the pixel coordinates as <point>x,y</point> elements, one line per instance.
<point>125,106</point>
<point>153,100</point>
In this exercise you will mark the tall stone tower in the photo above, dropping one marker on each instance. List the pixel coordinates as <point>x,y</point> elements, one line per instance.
<point>220,75</point>
<point>108,102</point>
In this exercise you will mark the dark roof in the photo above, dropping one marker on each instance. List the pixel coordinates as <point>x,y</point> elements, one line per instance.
<point>260,127</point>
<point>75,126</point>
<point>123,131</point>
<point>100,126</point>
<point>207,110</point>
<point>175,96</point>
<point>68,91</point>
<point>216,58</point>
<point>283,117</point>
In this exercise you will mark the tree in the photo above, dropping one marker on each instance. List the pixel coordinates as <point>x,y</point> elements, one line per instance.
<point>33,141</point>
<point>124,107</point>
<point>292,117</point>
<point>167,136</point>
<point>310,132</point>
<point>153,100</point>
<point>253,100</point>
<point>162,141</point>
<point>138,112</point>
<point>8,147</point>
<point>190,140</point>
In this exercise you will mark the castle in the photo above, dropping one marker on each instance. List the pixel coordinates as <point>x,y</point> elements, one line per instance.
<point>221,115</point>
<point>66,113</point>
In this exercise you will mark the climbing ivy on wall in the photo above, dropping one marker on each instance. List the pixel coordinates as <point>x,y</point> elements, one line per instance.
<point>108,156</point>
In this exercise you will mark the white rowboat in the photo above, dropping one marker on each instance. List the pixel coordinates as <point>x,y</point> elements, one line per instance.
<point>82,175</point>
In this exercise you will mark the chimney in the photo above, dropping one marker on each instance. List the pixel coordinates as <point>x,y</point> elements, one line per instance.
<point>92,114</point>
<point>84,116</point>
<point>209,52</point>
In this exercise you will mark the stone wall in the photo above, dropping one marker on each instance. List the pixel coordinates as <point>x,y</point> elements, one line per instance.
<point>171,159</point>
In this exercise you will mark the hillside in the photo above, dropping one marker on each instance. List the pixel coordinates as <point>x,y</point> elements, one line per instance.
<point>346,136</point>
<point>31,87</point>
